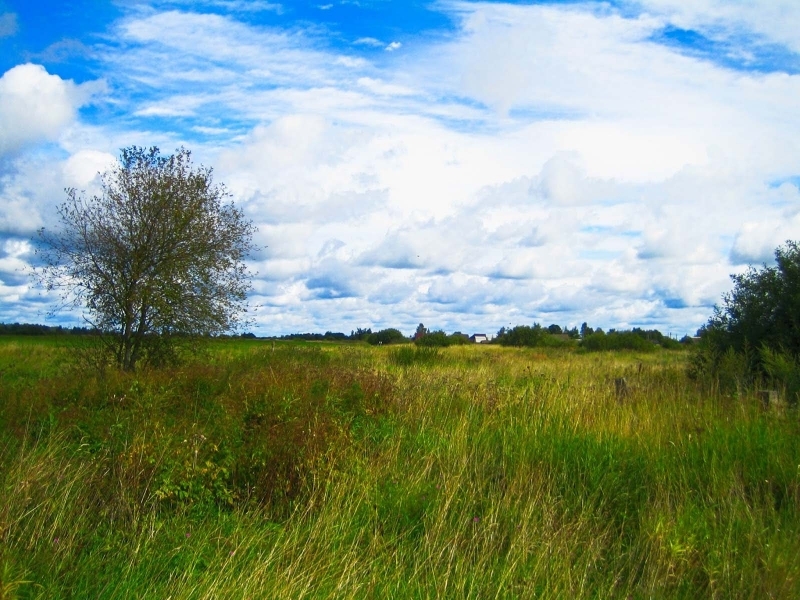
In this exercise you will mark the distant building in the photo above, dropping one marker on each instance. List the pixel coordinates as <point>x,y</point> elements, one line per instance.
<point>478,338</point>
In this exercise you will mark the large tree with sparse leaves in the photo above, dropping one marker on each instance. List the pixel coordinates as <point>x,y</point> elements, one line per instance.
<point>156,256</point>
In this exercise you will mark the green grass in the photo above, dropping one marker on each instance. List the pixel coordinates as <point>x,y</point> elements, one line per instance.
<point>348,471</point>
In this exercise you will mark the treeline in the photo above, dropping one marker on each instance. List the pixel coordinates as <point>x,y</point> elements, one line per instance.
<point>328,336</point>
<point>520,336</point>
<point>589,339</point>
<point>33,329</point>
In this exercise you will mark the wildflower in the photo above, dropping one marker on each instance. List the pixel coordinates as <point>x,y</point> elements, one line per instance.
<point>475,519</point>
<point>188,534</point>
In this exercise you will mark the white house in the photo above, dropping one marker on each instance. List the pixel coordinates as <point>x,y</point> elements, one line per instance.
<point>479,338</point>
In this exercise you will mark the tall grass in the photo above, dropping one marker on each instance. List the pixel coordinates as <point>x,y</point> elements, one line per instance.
<point>316,471</point>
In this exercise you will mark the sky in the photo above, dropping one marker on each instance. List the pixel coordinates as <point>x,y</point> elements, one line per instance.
<point>467,165</point>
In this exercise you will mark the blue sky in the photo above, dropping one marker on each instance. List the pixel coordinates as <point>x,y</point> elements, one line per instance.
<point>469,165</point>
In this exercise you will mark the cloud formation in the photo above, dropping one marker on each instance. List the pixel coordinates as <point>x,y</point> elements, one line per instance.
<point>550,162</point>
<point>36,106</point>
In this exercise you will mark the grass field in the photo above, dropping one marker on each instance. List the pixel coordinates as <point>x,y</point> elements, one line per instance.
<point>348,471</point>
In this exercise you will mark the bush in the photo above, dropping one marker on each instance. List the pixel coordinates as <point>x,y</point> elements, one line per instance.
<point>756,327</point>
<point>434,339</point>
<point>386,336</point>
<point>762,308</point>
<point>531,337</point>
<point>617,340</point>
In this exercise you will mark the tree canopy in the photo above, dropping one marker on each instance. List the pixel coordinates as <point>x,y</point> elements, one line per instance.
<point>754,334</point>
<point>158,254</point>
<point>386,336</point>
<point>763,309</point>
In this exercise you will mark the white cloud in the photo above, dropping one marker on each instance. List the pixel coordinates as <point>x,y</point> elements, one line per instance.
<point>539,162</point>
<point>392,46</point>
<point>369,41</point>
<point>776,21</point>
<point>36,106</point>
<point>755,242</point>
<point>83,167</point>
<point>382,88</point>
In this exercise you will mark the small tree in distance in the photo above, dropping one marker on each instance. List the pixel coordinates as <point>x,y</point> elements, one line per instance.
<point>156,255</point>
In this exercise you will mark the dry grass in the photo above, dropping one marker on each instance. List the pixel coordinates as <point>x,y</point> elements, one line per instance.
<point>325,471</point>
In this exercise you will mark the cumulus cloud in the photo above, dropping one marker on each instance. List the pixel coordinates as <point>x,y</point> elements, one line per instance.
<point>540,162</point>
<point>83,167</point>
<point>36,106</point>
<point>755,242</point>
<point>394,252</point>
<point>776,21</point>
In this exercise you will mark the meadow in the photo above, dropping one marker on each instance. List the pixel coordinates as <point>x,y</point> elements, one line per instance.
<point>322,470</point>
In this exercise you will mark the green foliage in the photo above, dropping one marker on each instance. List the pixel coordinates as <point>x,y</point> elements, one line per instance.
<point>784,369</point>
<point>33,329</point>
<point>755,333</point>
<point>360,333</point>
<point>531,337</point>
<point>439,339</point>
<point>386,336</point>
<point>458,339</point>
<point>407,355</point>
<point>616,340</point>
<point>402,508</point>
<point>433,339</point>
<point>763,309</point>
<point>328,336</point>
<point>156,257</point>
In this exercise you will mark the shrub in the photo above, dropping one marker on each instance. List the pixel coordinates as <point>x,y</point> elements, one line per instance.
<point>438,339</point>
<point>617,340</point>
<point>531,337</point>
<point>756,327</point>
<point>386,336</point>
<point>762,308</point>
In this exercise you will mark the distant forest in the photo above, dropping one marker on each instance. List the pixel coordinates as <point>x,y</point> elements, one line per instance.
<point>33,329</point>
<point>520,336</point>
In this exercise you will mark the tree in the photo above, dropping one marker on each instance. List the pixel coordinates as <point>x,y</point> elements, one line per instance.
<point>386,336</point>
<point>523,335</point>
<point>432,338</point>
<point>157,255</point>
<point>360,334</point>
<point>754,334</point>
<point>763,309</point>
